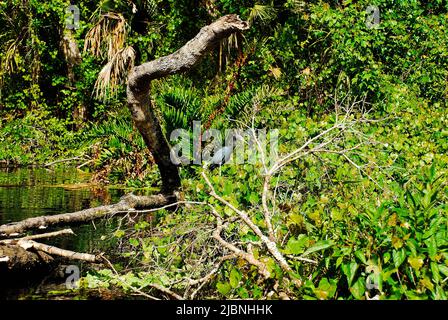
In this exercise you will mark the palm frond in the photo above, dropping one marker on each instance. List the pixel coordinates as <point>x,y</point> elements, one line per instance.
<point>10,60</point>
<point>266,92</point>
<point>108,36</point>
<point>241,105</point>
<point>239,102</point>
<point>263,13</point>
<point>117,128</point>
<point>114,73</point>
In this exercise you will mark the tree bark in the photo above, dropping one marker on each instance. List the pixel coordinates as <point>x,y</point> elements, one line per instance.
<point>128,202</point>
<point>54,251</point>
<point>138,90</point>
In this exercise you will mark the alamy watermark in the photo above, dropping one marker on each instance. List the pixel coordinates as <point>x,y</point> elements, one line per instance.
<point>373,17</point>
<point>72,280</point>
<point>373,278</point>
<point>212,147</point>
<point>72,19</point>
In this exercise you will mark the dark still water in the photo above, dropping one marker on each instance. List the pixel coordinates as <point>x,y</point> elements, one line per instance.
<point>26,193</point>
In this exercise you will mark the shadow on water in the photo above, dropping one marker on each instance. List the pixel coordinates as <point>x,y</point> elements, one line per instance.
<point>26,193</point>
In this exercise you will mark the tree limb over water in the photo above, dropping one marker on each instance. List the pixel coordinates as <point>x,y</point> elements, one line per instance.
<point>127,203</point>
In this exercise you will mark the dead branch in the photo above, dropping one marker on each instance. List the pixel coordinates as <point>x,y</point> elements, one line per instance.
<point>127,203</point>
<point>27,244</point>
<point>204,280</point>
<point>61,160</point>
<point>270,245</point>
<point>39,236</point>
<point>262,268</point>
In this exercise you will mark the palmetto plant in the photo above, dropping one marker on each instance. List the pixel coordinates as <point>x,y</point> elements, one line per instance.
<point>107,40</point>
<point>179,107</point>
<point>263,13</point>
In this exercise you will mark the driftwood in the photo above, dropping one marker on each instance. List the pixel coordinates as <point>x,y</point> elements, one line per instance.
<point>23,254</point>
<point>54,251</point>
<point>127,203</point>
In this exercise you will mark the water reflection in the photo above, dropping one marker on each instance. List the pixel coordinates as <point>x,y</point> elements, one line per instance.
<point>26,193</point>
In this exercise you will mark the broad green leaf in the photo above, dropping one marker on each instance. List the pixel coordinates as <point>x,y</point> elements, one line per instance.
<point>386,257</point>
<point>349,270</point>
<point>223,288</point>
<point>318,246</point>
<point>326,289</point>
<point>432,247</point>
<point>360,255</point>
<point>254,198</point>
<point>397,243</point>
<point>119,233</point>
<point>242,292</point>
<point>415,262</point>
<point>358,288</point>
<point>435,272</point>
<point>235,278</point>
<point>297,246</point>
<point>426,282</point>
<point>443,269</point>
<point>228,188</point>
<point>398,257</point>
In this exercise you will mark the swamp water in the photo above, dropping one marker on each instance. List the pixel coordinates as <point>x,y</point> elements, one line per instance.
<point>26,193</point>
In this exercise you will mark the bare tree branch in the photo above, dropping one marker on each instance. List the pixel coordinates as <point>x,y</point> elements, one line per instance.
<point>127,202</point>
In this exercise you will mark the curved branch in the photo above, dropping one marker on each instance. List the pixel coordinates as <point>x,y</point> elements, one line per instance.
<point>127,202</point>
<point>138,90</point>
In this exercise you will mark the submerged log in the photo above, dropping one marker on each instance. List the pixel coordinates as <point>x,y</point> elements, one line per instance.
<point>127,203</point>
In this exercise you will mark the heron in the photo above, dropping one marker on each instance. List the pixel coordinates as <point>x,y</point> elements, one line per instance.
<point>222,156</point>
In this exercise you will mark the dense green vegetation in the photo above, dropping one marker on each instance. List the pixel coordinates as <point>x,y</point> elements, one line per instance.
<point>366,215</point>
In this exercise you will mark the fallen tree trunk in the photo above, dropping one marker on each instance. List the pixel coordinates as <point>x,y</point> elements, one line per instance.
<point>127,203</point>
<point>25,254</point>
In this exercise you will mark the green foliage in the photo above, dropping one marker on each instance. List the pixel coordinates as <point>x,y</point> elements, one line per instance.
<point>401,245</point>
<point>179,105</point>
<point>36,139</point>
<point>372,226</point>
